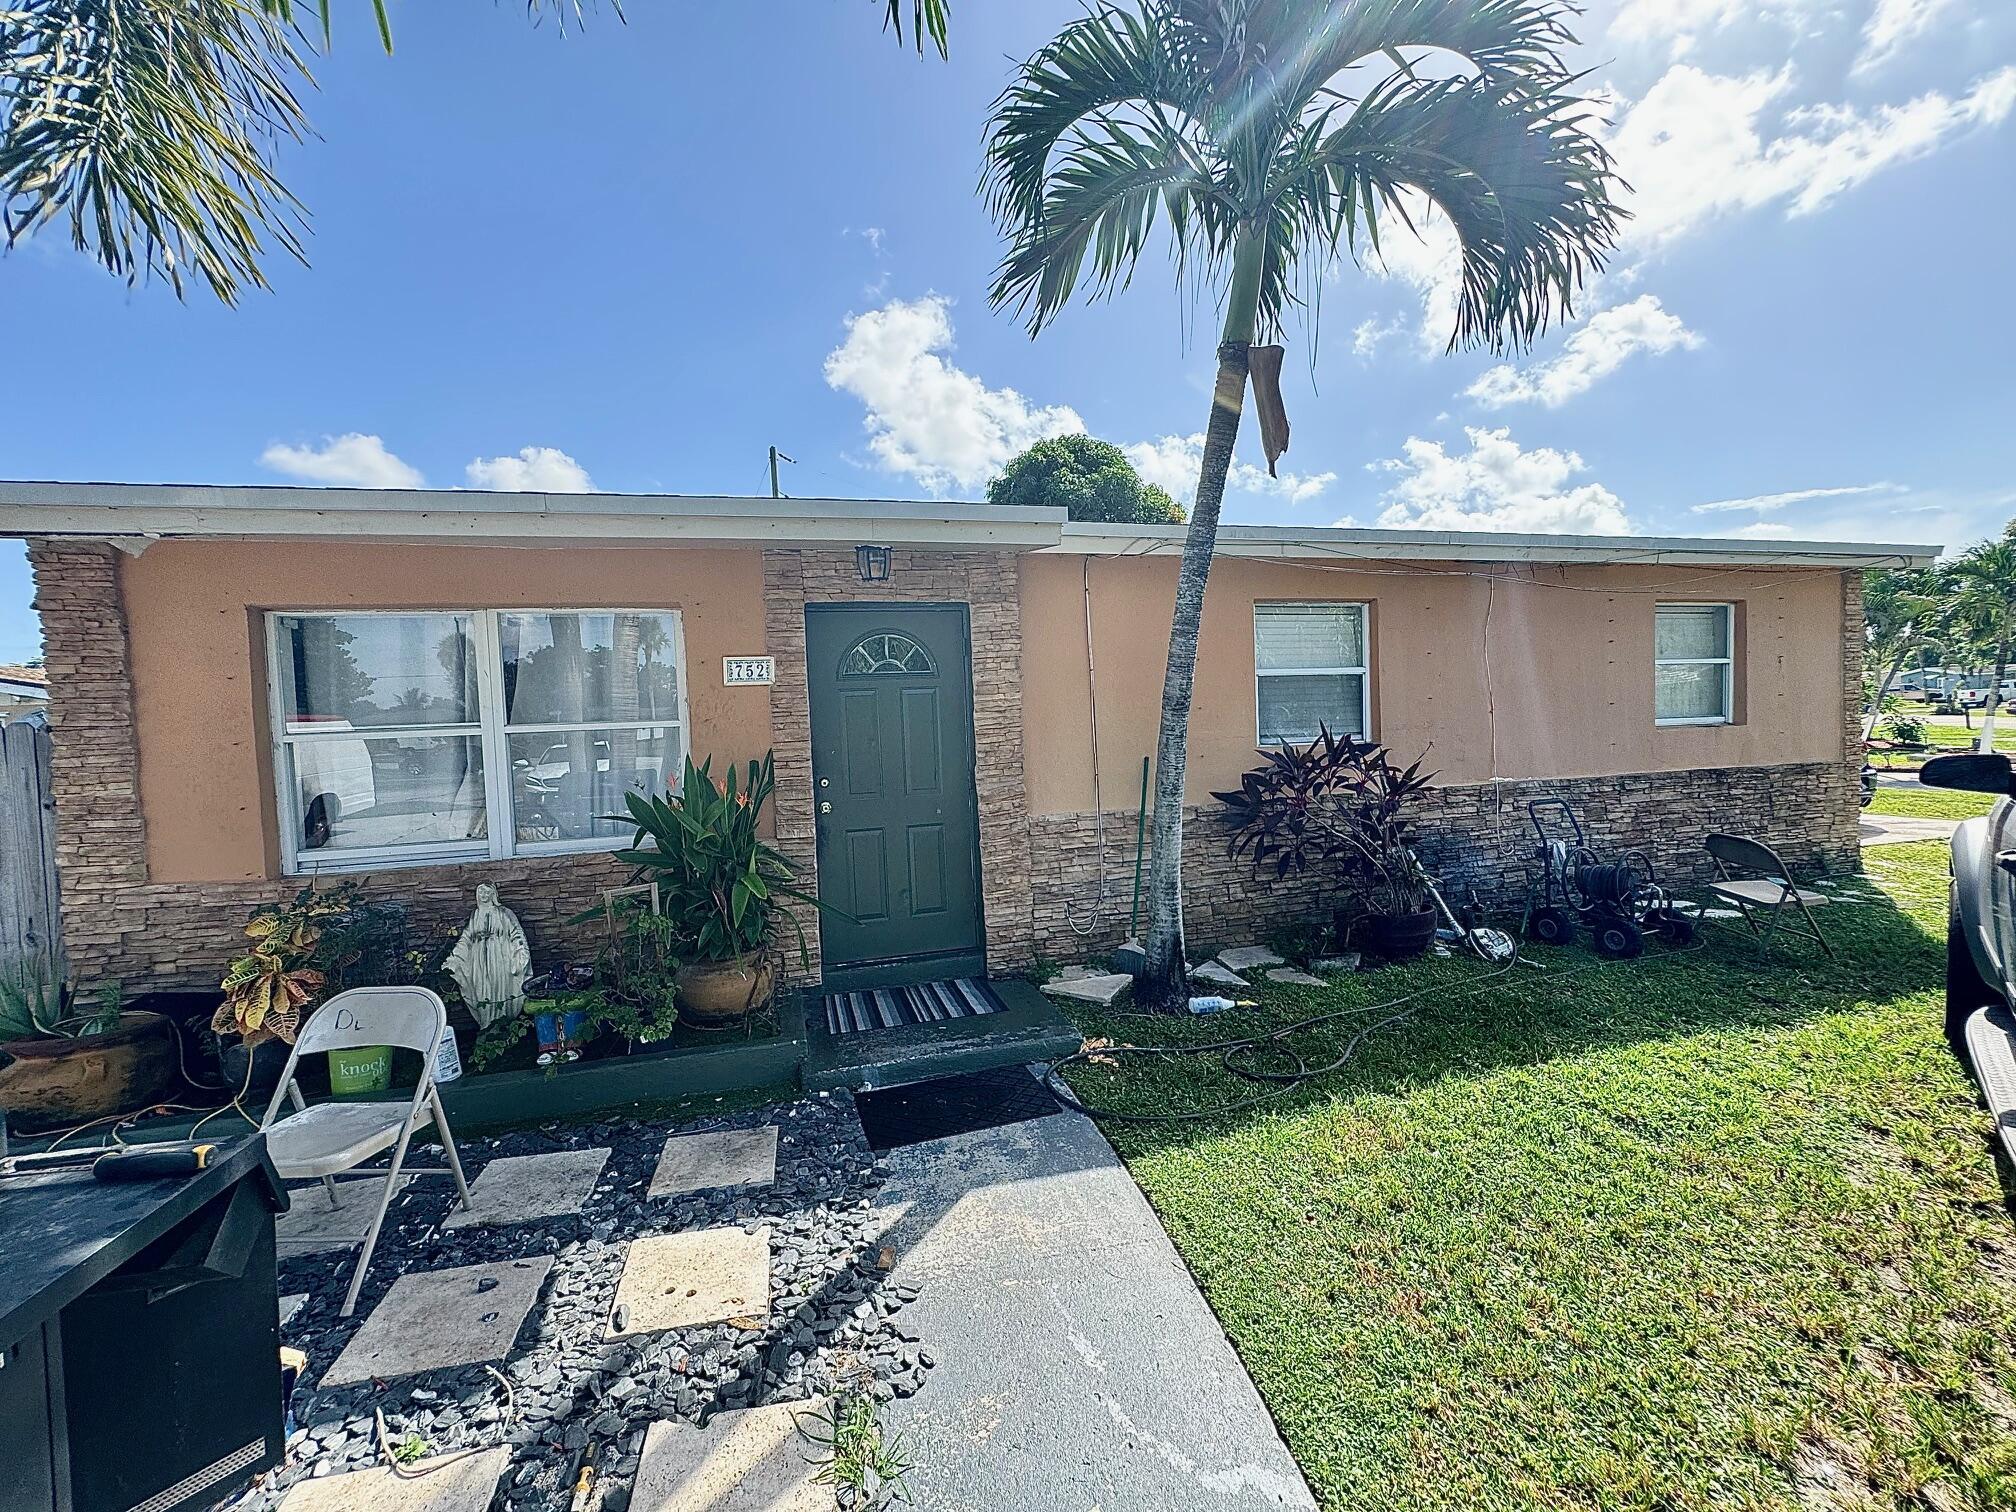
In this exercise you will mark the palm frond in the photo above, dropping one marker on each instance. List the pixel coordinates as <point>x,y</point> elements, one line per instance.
<point>1511,164</point>
<point>1500,38</point>
<point>932,18</point>
<point>1100,207</point>
<point>152,126</point>
<point>1110,60</point>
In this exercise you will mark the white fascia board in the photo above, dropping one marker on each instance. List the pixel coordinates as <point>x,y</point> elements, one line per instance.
<point>1341,547</point>
<point>123,512</point>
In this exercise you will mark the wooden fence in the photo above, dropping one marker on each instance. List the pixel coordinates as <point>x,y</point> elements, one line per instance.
<point>31,923</point>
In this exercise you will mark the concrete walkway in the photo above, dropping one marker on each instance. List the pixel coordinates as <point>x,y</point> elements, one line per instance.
<point>1078,1365</point>
<point>1894,829</point>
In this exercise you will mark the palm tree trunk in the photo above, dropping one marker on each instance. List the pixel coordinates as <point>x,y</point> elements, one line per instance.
<point>1994,700</point>
<point>1164,983</point>
<point>1883,686</point>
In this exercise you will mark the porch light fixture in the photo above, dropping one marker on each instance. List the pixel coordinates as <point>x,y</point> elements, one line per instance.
<point>872,562</point>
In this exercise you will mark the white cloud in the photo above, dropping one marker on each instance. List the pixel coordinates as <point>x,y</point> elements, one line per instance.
<point>1696,147</point>
<point>928,419</point>
<point>1763,530</point>
<point>351,460</point>
<point>1894,25</point>
<point>1767,503</point>
<point>1173,462</point>
<point>1496,485</point>
<point>536,469</point>
<point>1679,24</point>
<point>1372,333</point>
<point>1595,351</point>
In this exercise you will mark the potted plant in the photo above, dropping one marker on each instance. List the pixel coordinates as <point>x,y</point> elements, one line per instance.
<point>303,952</point>
<point>721,888</point>
<point>1341,803</point>
<point>62,1063</point>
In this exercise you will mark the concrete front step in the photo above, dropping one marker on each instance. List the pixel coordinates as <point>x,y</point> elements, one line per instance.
<point>1027,1029</point>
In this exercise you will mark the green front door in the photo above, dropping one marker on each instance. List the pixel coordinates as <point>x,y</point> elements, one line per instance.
<point>892,785</point>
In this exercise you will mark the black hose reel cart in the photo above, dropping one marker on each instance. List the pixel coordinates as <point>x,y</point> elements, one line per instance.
<point>1568,885</point>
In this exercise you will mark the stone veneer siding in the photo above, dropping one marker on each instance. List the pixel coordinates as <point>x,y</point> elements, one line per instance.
<point>1476,836</point>
<point>989,585</point>
<point>116,923</point>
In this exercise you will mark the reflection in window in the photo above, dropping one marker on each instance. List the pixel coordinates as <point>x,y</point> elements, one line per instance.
<point>885,653</point>
<point>411,738</point>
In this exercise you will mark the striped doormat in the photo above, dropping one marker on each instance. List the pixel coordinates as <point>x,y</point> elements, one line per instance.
<point>893,1007</point>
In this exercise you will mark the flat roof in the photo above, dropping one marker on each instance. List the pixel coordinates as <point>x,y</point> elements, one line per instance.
<point>132,515</point>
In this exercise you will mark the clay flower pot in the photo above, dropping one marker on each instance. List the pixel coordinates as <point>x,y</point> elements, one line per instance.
<point>720,994</point>
<point>51,1081</point>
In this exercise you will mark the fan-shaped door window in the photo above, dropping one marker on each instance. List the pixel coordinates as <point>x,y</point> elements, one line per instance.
<point>886,653</point>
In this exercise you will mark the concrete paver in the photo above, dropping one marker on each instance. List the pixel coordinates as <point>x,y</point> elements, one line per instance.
<point>446,1483</point>
<point>527,1188</point>
<point>681,1280</point>
<point>728,1158</point>
<point>432,1320</point>
<point>755,1460</point>
<point>310,1226</point>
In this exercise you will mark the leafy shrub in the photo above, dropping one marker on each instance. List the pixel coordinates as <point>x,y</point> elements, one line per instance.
<point>1338,804</point>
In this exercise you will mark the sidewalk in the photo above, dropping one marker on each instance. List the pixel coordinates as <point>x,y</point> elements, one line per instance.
<point>1078,1366</point>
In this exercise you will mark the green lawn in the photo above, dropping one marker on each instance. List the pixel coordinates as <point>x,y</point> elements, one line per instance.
<point>1951,730</point>
<point>1680,1233</point>
<point>1929,803</point>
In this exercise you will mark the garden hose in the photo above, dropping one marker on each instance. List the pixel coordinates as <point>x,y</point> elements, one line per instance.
<point>1274,1083</point>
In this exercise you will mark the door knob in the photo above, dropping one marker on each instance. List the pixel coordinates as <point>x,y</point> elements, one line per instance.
<point>824,807</point>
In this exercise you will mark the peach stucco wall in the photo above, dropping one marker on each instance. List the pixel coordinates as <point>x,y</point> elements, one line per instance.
<point>1570,665</point>
<point>193,613</point>
<point>1570,669</point>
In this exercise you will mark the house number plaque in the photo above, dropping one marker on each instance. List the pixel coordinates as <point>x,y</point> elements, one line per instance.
<point>748,671</point>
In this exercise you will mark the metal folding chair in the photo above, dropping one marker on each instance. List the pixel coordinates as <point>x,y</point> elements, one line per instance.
<point>1749,874</point>
<point>322,1141</point>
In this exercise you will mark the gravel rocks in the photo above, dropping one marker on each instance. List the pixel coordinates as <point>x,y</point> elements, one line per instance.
<point>564,1392</point>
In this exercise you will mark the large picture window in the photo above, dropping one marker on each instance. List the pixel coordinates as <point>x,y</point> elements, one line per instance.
<point>1694,663</point>
<point>1309,671</point>
<point>403,739</point>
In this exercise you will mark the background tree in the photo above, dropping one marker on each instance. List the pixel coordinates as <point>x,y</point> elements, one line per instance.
<point>152,125</point>
<point>1092,480</point>
<point>1984,605</point>
<point>1270,136</point>
<point>1898,611</point>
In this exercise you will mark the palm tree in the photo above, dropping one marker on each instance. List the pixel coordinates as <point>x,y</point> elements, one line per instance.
<point>1984,604</point>
<point>1272,135</point>
<point>152,125</point>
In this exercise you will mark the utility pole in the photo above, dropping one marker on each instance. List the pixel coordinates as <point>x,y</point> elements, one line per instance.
<point>775,457</point>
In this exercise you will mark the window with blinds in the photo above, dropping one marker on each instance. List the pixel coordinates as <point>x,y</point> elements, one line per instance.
<point>1310,671</point>
<point>1693,663</point>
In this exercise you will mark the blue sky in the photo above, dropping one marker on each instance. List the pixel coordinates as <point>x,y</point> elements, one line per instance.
<point>639,254</point>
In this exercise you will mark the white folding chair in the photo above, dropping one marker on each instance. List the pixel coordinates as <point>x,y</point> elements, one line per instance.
<point>321,1141</point>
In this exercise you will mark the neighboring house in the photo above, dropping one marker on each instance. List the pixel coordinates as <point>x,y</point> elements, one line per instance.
<point>23,690</point>
<point>257,685</point>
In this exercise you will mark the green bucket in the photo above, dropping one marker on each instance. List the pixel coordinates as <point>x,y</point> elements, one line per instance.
<point>368,1069</point>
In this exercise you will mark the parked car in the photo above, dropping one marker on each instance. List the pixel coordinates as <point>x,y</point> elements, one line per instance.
<point>1981,932</point>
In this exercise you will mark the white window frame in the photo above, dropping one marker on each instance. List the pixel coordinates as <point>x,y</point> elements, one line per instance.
<point>1363,609</point>
<point>490,730</point>
<point>1726,663</point>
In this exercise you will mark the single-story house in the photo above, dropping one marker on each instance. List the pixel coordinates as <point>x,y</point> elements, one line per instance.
<point>253,686</point>
<point>23,690</point>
